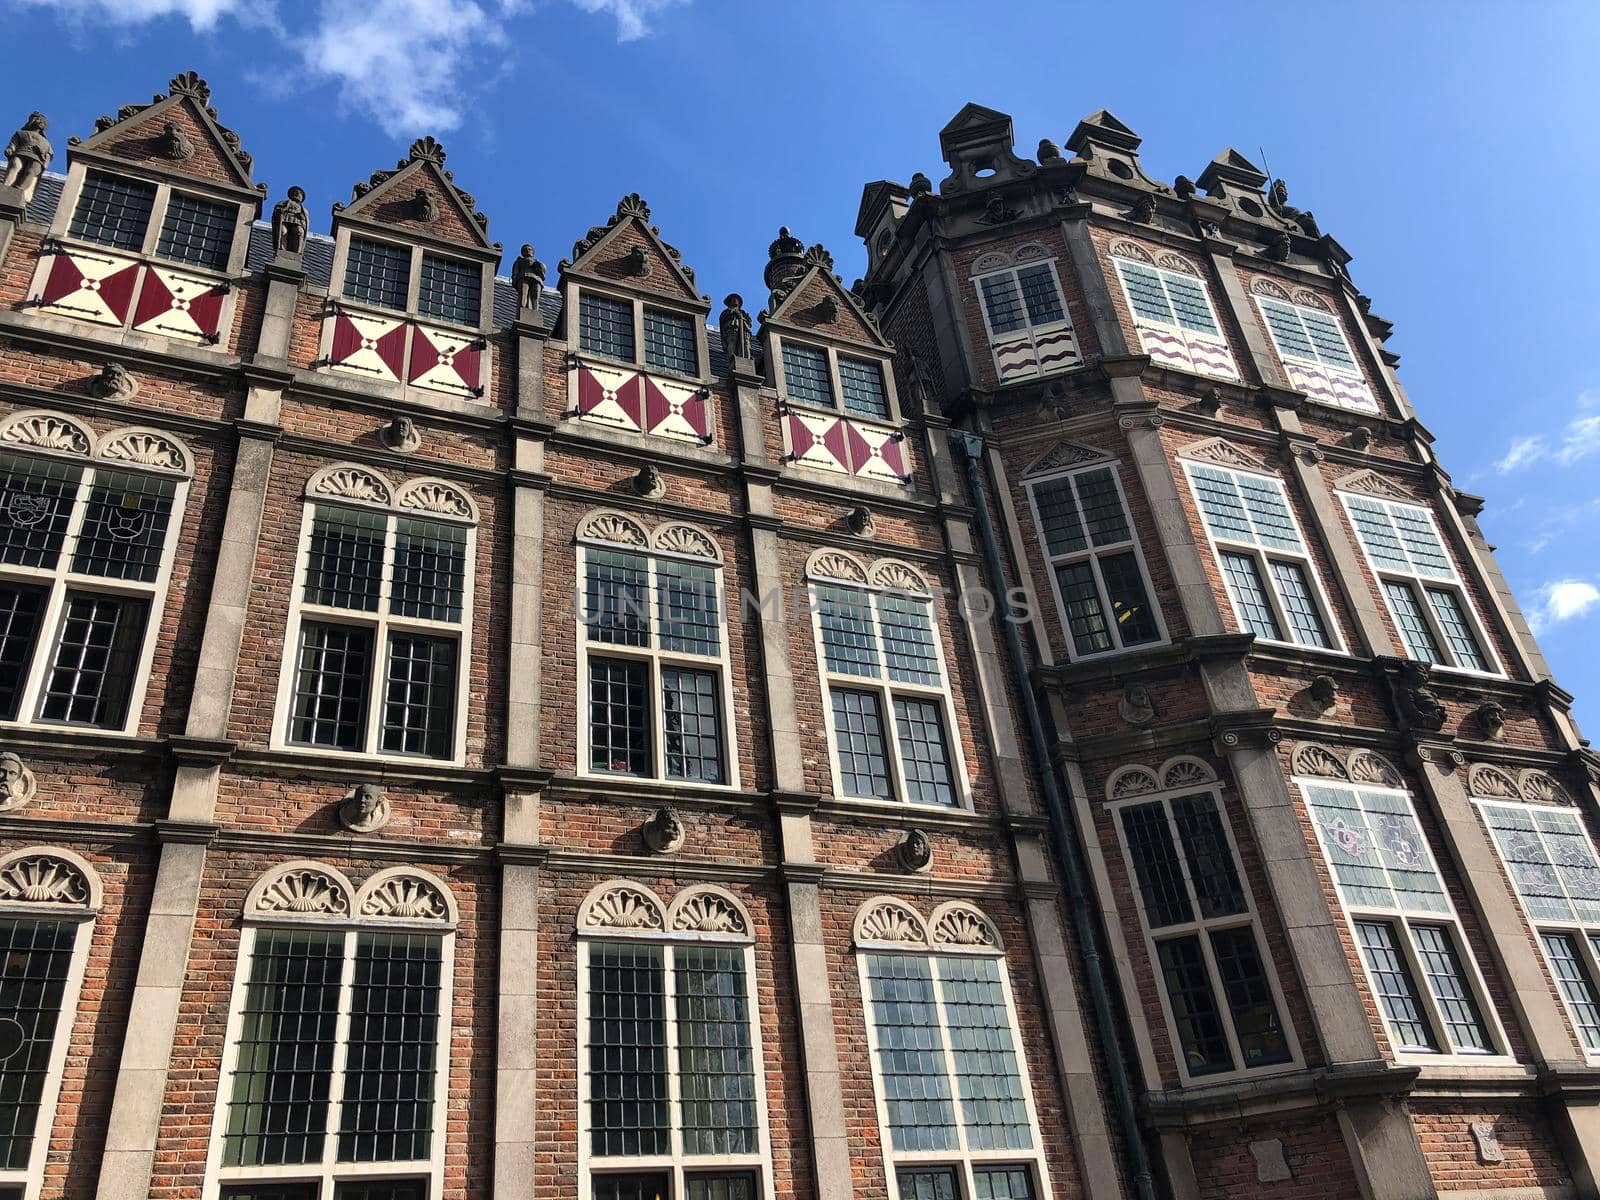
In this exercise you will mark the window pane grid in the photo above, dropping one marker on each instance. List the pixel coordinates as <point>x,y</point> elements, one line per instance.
<point>34,960</point>
<point>36,498</point>
<point>617,607</point>
<point>994,1110</point>
<point>1550,859</point>
<point>1086,617</point>
<point>1102,507</point>
<point>1452,620</point>
<point>1221,506</point>
<point>1572,975</point>
<point>1209,858</point>
<point>198,231</point>
<point>628,1095</point>
<point>1188,296</point>
<point>605,326</point>
<point>1040,295</point>
<point>95,660</point>
<point>1002,1183</point>
<point>1327,337</point>
<point>1414,629</point>
<point>1248,993</point>
<point>1058,514</point>
<point>21,610</point>
<point>1003,303</point>
<point>1194,1006</point>
<point>420,696</point>
<point>1376,849</point>
<point>113,211</point>
<point>1145,292</point>
<point>377,273</point>
<point>1396,990</point>
<point>450,290</point>
<point>1131,609</point>
<point>345,561</point>
<point>908,646</point>
<point>861,385</point>
<point>805,375</point>
<point>669,342</point>
<point>910,1053</point>
<point>430,568</point>
<point>331,683</point>
<point>1294,591</point>
<point>1243,577</point>
<point>124,527</point>
<point>1441,967</point>
<point>692,724</point>
<point>1155,863</point>
<point>1287,330</point>
<point>858,736</point>
<point>849,642</point>
<point>619,716</point>
<point>716,1063</point>
<point>923,752</point>
<point>688,607</point>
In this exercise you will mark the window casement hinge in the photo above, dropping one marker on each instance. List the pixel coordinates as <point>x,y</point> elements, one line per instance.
<point>51,245</point>
<point>479,343</point>
<point>899,435</point>
<point>212,338</point>
<point>574,360</point>
<point>478,391</point>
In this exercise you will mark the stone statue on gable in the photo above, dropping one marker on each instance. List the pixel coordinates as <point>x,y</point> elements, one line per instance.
<point>28,153</point>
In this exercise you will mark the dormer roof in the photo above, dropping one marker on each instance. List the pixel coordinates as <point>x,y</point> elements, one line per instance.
<point>420,197</point>
<point>629,251</point>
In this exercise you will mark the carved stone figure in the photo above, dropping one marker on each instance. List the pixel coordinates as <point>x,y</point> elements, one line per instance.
<point>174,143</point>
<point>114,383</point>
<point>1136,706</point>
<point>1278,247</point>
<point>859,521</point>
<point>401,434</point>
<point>28,153</point>
<point>1278,202</point>
<point>423,207</point>
<point>1361,437</point>
<point>527,275</point>
<point>734,325</point>
<point>365,809</point>
<point>1048,151</point>
<point>1418,703</point>
<point>1324,691</point>
<point>921,185</point>
<point>1492,718</point>
<point>914,852</point>
<point>1144,209</point>
<point>1184,187</point>
<point>17,785</point>
<point>648,482</point>
<point>636,263</point>
<point>1211,403</point>
<point>290,224</point>
<point>664,831</point>
<point>827,310</point>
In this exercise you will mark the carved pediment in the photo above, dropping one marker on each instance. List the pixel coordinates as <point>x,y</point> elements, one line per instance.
<point>301,889</point>
<point>889,920</point>
<point>46,877</point>
<point>709,910</point>
<point>678,538</point>
<point>197,142</point>
<point>436,496</point>
<point>962,926</point>
<point>404,895</point>
<point>897,576</point>
<point>1370,483</point>
<point>1223,453</point>
<point>1064,455</point>
<point>610,526</point>
<point>421,196</point>
<point>623,907</point>
<point>629,250</point>
<point>836,564</point>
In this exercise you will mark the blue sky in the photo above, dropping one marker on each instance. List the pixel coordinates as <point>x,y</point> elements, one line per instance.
<point>1450,146</point>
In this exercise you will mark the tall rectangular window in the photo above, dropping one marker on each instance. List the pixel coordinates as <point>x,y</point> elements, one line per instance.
<point>84,554</point>
<point>1173,315</point>
<point>1265,564</point>
<point>380,625</point>
<point>38,988</point>
<point>198,231</point>
<point>1555,872</point>
<point>1315,353</point>
<point>1222,996</point>
<point>1096,562</point>
<point>948,1067</point>
<point>653,638</point>
<point>1030,332</point>
<point>113,211</point>
<point>605,326</point>
<point>888,701</point>
<point>450,290</point>
<point>671,1104</point>
<point>669,342</point>
<point>377,273</point>
<point>1425,593</point>
<point>1418,967</point>
<point>337,1051</point>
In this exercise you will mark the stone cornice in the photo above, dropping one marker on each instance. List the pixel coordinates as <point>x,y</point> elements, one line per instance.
<point>77,340</point>
<point>1318,1089</point>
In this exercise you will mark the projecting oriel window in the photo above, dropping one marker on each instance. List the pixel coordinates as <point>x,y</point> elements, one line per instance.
<point>338,1049</point>
<point>1102,588</point>
<point>380,625</point>
<point>1268,571</point>
<point>1426,597</point>
<point>1427,987</point>
<point>653,653</point>
<point>85,553</point>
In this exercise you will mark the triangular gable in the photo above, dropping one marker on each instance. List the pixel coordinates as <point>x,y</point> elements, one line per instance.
<point>1062,456</point>
<point>391,199</point>
<point>1223,453</point>
<point>972,117</point>
<point>198,145</point>
<point>1370,483</point>
<point>628,250</point>
<point>819,302</point>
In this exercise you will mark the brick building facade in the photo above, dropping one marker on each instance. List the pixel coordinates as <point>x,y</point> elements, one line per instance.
<point>1039,722</point>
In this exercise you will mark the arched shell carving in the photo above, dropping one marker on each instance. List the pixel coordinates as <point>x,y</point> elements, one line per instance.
<point>1262,286</point>
<point>1310,299</point>
<point>959,924</point>
<point>1226,454</point>
<point>350,482</point>
<point>990,262</point>
<point>1177,262</point>
<point>437,497</point>
<point>678,538</point>
<point>886,919</point>
<point>1185,771</point>
<point>1484,780</point>
<point>145,448</point>
<point>301,889</point>
<point>44,875</point>
<point>1131,250</point>
<point>622,907</point>
<point>47,431</point>
<point>708,910</point>
<point>1131,781</point>
<point>1312,759</point>
<point>836,564</point>
<point>406,894</point>
<point>1540,787</point>
<point>609,526</point>
<point>1366,766</point>
<point>897,576</point>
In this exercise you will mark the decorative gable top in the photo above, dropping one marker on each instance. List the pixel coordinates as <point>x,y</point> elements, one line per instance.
<point>1223,453</point>
<point>1370,483</point>
<point>980,139</point>
<point>807,295</point>
<point>1231,167</point>
<point>1064,455</point>
<point>1101,128</point>
<point>177,132</point>
<point>420,196</point>
<point>628,250</point>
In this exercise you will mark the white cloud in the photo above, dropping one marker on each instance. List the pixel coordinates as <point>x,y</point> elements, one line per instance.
<point>1581,439</point>
<point>1523,451</point>
<point>1564,600</point>
<point>411,65</point>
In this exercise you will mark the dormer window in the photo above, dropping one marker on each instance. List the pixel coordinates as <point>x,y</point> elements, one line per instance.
<point>380,274</point>
<point>806,376</point>
<point>669,342</point>
<point>1030,331</point>
<point>612,327</point>
<point>861,384</point>
<point>450,290</point>
<point>809,379</point>
<point>113,211</point>
<point>605,326</point>
<point>376,273</point>
<point>116,211</point>
<point>198,231</point>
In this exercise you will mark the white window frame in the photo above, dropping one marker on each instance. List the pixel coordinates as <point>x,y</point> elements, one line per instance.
<point>1402,920</point>
<point>1162,273</point>
<point>1263,556</point>
<point>1580,931</point>
<point>1030,328</point>
<point>381,622</point>
<point>1352,373</point>
<point>1093,554</point>
<point>329,1172</point>
<point>923,940</point>
<point>591,533</point>
<point>639,304</point>
<point>665,929</point>
<point>833,352</point>
<point>1419,584</point>
<point>67,211</point>
<point>886,576</point>
<point>411,311</point>
<point>1200,928</point>
<point>84,912</point>
<point>61,578</point>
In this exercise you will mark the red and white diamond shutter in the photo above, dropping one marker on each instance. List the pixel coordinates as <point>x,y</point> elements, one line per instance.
<point>89,285</point>
<point>444,360</point>
<point>624,398</point>
<point>848,447</point>
<point>371,347</point>
<point>180,305</point>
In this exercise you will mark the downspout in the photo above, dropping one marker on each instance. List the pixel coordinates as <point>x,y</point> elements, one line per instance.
<point>1064,840</point>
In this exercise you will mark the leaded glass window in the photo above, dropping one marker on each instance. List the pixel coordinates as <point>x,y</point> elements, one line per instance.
<point>71,649</point>
<point>805,375</point>
<point>113,211</point>
<point>1426,596</point>
<point>198,231</point>
<point>886,693</point>
<point>1221,994</point>
<point>1265,564</point>
<point>1172,311</point>
<point>1096,562</point>
<point>652,630</point>
<point>1394,986</point>
<point>861,382</point>
<point>669,342</point>
<point>380,628</point>
<point>377,273</point>
<point>1307,334</point>
<point>605,326</point>
<point>1015,300</point>
<point>35,965</point>
<point>450,290</point>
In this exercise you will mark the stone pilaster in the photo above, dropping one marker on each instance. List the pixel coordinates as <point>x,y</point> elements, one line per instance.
<point>517,995</point>
<point>12,213</point>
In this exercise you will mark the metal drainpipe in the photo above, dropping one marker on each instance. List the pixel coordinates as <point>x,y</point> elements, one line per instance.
<point>1064,839</point>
